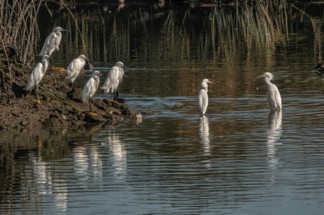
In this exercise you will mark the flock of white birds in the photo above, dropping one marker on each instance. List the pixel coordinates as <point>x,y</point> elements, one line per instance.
<point>51,44</point>
<point>115,77</point>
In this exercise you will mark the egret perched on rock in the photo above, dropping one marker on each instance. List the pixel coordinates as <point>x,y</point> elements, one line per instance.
<point>273,94</point>
<point>90,88</point>
<point>75,67</point>
<point>203,96</point>
<point>114,78</point>
<point>52,42</point>
<point>37,75</point>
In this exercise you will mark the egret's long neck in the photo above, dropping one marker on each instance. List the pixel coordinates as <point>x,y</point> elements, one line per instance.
<point>204,86</point>
<point>45,65</point>
<point>97,79</point>
<point>268,82</point>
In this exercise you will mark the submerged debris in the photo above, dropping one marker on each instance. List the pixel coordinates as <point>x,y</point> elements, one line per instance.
<point>319,69</point>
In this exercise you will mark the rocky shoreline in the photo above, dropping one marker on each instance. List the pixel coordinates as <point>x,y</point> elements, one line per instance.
<point>60,105</point>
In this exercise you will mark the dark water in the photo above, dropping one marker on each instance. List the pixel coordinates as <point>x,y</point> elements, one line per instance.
<point>239,159</point>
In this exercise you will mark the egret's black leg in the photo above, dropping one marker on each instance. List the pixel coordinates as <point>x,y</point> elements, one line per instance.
<point>37,97</point>
<point>115,99</point>
<point>90,107</point>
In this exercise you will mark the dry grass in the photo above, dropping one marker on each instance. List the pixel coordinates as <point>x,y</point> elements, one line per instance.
<point>19,29</point>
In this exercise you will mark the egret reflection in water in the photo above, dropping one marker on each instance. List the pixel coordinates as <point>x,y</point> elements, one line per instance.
<point>48,185</point>
<point>87,164</point>
<point>60,195</point>
<point>204,136</point>
<point>42,176</point>
<point>119,155</point>
<point>81,163</point>
<point>274,134</point>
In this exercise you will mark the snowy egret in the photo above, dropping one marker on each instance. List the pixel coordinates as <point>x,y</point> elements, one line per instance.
<point>114,78</point>
<point>273,93</point>
<point>37,75</point>
<point>203,96</point>
<point>319,69</point>
<point>52,42</point>
<point>90,88</point>
<point>75,67</point>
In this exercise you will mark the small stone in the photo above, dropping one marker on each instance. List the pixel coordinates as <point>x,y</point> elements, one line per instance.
<point>138,116</point>
<point>24,123</point>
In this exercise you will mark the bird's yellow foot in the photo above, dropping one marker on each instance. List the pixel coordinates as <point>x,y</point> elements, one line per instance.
<point>93,114</point>
<point>38,101</point>
<point>111,100</point>
<point>57,69</point>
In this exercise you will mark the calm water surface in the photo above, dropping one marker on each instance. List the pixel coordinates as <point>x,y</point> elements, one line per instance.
<point>239,159</point>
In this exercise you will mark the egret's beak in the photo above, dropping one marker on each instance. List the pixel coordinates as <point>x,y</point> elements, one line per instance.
<point>64,29</point>
<point>90,66</point>
<point>261,76</point>
<point>87,59</point>
<point>209,82</point>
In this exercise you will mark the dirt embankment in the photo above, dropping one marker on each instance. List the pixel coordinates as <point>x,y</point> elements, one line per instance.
<point>60,106</point>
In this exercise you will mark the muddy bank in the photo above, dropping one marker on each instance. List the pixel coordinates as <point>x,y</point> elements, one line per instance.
<point>60,105</point>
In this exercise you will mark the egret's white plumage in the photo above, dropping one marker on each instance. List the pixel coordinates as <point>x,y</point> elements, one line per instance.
<point>37,74</point>
<point>52,42</point>
<point>114,78</point>
<point>75,67</point>
<point>90,88</point>
<point>203,96</point>
<point>273,94</point>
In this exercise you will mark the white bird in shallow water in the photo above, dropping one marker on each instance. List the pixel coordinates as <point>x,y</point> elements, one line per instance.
<point>273,94</point>
<point>114,78</point>
<point>203,96</point>
<point>90,88</point>
<point>37,75</point>
<point>52,42</point>
<point>75,67</point>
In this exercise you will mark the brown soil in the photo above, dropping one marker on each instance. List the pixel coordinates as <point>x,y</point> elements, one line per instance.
<point>60,106</point>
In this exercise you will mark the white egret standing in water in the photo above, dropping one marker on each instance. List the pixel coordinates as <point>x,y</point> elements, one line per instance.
<point>75,67</point>
<point>203,96</point>
<point>37,75</point>
<point>52,42</point>
<point>90,88</point>
<point>273,94</point>
<point>114,78</point>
